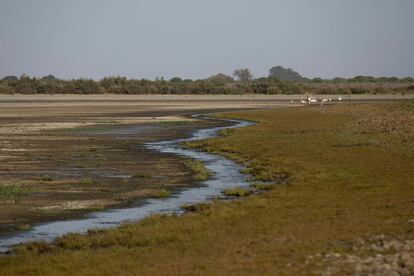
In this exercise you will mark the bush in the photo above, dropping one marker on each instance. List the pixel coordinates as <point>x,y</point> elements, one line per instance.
<point>195,208</point>
<point>237,192</point>
<point>161,193</point>
<point>5,89</point>
<point>359,90</point>
<point>141,175</point>
<point>262,186</point>
<point>201,173</point>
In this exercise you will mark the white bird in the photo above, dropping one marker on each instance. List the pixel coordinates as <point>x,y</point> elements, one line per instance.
<point>302,101</point>
<point>330,99</point>
<point>339,98</point>
<point>312,100</point>
<point>323,100</point>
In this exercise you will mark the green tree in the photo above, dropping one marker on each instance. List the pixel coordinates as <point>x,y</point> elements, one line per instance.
<point>243,75</point>
<point>176,79</point>
<point>220,79</point>
<point>284,74</point>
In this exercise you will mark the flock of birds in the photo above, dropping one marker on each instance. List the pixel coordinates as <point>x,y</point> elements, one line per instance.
<point>313,100</point>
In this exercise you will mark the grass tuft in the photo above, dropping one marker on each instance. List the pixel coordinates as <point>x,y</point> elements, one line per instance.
<point>44,178</point>
<point>37,247</point>
<point>196,208</point>
<point>161,193</point>
<point>11,192</point>
<point>200,171</point>
<point>236,192</point>
<point>262,186</point>
<point>141,175</point>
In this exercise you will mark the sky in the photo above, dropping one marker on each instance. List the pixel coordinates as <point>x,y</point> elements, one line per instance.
<point>199,38</point>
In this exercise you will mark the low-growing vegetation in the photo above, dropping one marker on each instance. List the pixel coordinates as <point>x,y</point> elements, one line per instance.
<point>11,192</point>
<point>199,207</point>
<point>236,192</point>
<point>350,181</point>
<point>44,178</point>
<point>161,193</point>
<point>199,170</point>
<point>141,175</point>
<point>262,186</point>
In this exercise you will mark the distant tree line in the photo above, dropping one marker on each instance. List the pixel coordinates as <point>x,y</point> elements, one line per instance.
<point>279,81</point>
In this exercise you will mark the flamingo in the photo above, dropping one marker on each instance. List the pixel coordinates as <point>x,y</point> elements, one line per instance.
<point>312,100</point>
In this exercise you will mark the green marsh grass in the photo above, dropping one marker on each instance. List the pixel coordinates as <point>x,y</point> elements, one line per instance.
<point>160,194</point>
<point>44,178</point>
<point>262,186</point>
<point>199,207</point>
<point>236,192</point>
<point>11,192</point>
<point>200,171</point>
<point>141,175</point>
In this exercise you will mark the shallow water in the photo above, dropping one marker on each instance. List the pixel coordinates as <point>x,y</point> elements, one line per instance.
<point>225,174</point>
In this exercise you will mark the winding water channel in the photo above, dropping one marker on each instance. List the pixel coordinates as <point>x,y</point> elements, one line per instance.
<point>225,174</point>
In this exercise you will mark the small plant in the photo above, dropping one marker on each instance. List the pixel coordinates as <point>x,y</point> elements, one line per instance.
<point>195,208</point>
<point>201,173</point>
<point>24,227</point>
<point>161,193</point>
<point>87,181</point>
<point>37,247</point>
<point>11,192</point>
<point>141,175</point>
<point>236,192</point>
<point>95,231</point>
<point>262,186</point>
<point>45,178</point>
<point>106,190</point>
<point>72,241</point>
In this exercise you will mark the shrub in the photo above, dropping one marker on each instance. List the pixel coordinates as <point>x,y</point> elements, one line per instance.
<point>11,192</point>
<point>236,192</point>
<point>141,175</point>
<point>199,207</point>
<point>262,186</point>
<point>161,193</point>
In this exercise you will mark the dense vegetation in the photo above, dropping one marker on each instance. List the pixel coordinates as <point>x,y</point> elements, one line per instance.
<point>349,193</point>
<point>291,83</point>
<point>284,74</point>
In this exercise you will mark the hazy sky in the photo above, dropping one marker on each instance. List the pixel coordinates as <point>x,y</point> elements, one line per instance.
<point>198,38</point>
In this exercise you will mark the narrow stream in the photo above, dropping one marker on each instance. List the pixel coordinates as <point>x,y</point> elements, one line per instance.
<point>225,174</point>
